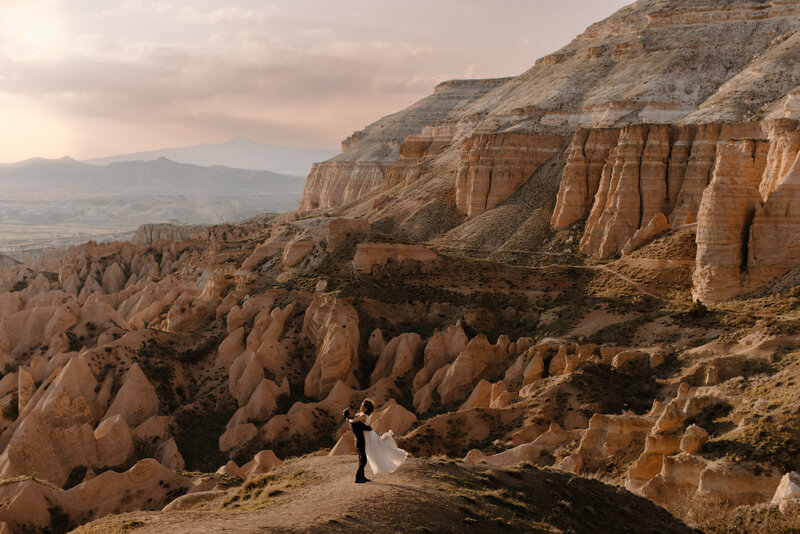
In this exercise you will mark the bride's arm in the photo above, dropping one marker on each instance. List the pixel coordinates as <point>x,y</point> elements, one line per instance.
<point>359,417</point>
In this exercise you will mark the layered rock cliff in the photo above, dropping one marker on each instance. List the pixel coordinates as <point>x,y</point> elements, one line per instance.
<point>494,166</point>
<point>643,100</point>
<point>366,154</point>
<point>747,227</point>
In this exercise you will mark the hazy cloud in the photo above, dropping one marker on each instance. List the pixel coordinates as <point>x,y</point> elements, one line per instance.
<point>301,72</point>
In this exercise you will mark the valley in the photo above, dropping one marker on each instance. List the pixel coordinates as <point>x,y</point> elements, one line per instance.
<point>572,294</point>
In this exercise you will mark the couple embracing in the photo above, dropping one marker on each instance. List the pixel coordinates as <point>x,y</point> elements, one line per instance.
<point>380,452</point>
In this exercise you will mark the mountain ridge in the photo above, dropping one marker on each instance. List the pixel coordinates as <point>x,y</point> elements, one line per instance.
<point>238,152</point>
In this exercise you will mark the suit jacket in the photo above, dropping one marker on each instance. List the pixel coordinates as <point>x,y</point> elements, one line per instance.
<point>359,428</point>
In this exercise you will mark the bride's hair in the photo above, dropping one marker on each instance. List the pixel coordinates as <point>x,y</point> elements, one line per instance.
<point>368,405</point>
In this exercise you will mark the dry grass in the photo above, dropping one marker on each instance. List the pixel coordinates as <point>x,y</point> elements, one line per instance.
<point>714,516</point>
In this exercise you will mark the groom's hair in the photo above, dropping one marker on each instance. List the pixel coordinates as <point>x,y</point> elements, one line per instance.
<point>369,406</point>
<point>346,413</point>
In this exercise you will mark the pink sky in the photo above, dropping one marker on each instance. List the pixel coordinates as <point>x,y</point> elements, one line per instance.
<point>90,78</point>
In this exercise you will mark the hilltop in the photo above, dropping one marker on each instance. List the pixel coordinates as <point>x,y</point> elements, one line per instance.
<point>317,494</point>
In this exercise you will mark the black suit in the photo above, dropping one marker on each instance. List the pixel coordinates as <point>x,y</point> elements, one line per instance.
<point>358,430</point>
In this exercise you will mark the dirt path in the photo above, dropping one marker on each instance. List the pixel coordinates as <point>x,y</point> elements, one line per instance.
<point>630,281</point>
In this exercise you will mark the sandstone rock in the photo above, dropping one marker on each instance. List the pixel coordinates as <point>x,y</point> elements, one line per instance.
<point>787,494</point>
<point>192,500</point>
<point>237,436</point>
<point>368,255</point>
<point>694,437</point>
<point>478,360</point>
<point>345,445</point>
<point>493,166</point>
<point>113,278</point>
<point>691,165</point>
<point>189,313</point>
<point>392,416</point>
<point>480,397</point>
<point>26,388</point>
<point>671,419</point>
<point>586,156</point>
<point>441,349</point>
<point>488,395</point>
<point>534,370</point>
<point>29,503</point>
<point>724,220</point>
<point>153,429</point>
<point>149,234</point>
<point>615,215</point>
<point>333,183</point>
<point>263,401</point>
<point>607,435</point>
<point>114,441</point>
<point>269,248</point>
<point>680,475</point>
<point>296,251</point>
<point>169,455</point>
<point>361,168</point>
<point>136,400</point>
<point>772,247</point>
<point>299,423</point>
<point>397,357</point>
<point>547,442</point>
<point>22,330</point>
<point>627,356</point>
<point>339,229</point>
<point>52,435</point>
<point>232,469</point>
<point>376,343</point>
<point>235,319</point>
<point>263,462</point>
<point>333,326</point>
<point>424,397</point>
<point>245,376</point>
<point>737,484</point>
<point>657,225</point>
<point>231,346</point>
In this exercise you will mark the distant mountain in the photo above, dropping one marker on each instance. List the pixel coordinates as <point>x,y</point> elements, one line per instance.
<point>158,177</point>
<point>239,153</point>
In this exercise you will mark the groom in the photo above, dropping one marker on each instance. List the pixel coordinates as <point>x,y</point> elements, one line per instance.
<point>358,430</point>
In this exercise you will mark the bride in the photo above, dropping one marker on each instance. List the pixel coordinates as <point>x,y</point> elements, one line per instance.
<point>383,455</point>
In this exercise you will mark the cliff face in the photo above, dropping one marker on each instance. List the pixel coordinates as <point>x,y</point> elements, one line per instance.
<point>748,221</point>
<point>493,166</point>
<point>150,233</point>
<point>366,154</point>
<point>586,157</point>
<point>647,102</point>
<point>332,183</point>
<point>648,170</point>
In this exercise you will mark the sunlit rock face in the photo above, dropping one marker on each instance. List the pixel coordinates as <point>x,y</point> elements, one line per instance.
<point>494,166</point>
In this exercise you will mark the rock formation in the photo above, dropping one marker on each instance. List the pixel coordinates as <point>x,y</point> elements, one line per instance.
<point>369,255</point>
<point>333,327</point>
<point>367,154</point>
<point>494,166</point>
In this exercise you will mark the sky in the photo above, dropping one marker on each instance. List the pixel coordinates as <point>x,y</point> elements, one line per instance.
<point>92,78</point>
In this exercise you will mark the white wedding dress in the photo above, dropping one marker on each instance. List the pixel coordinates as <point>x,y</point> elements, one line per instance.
<point>383,454</point>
